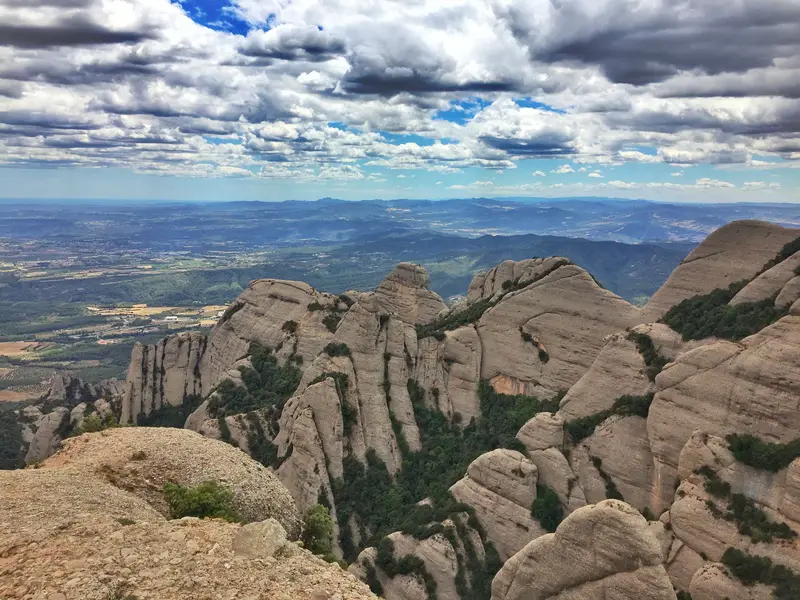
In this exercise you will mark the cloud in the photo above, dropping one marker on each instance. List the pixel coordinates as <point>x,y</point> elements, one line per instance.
<point>314,89</point>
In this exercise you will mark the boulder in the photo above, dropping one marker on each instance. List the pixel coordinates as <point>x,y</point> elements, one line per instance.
<point>604,550</point>
<point>501,487</point>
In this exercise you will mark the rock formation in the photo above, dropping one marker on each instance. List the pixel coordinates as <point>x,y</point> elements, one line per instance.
<point>67,532</point>
<point>732,253</point>
<point>600,551</point>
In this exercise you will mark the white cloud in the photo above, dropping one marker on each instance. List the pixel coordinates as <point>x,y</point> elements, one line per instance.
<point>156,92</point>
<point>676,174</point>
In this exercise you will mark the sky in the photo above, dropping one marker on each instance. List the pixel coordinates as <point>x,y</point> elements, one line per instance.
<point>676,100</point>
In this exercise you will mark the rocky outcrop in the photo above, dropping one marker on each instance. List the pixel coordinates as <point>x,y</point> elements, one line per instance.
<point>748,387</point>
<point>602,550</point>
<point>771,283</point>
<point>543,437</point>
<point>495,281</point>
<point>618,370</point>
<point>444,558</point>
<point>566,314</point>
<point>734,252</point>
<point>191,363</point>
<point>501,487</point>
<point>140,460</point>
<point>404,293</point>
<point>99,541</point>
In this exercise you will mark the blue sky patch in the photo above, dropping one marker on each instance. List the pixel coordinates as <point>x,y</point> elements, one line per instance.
<point>462,111</point>
<point>215,15</point>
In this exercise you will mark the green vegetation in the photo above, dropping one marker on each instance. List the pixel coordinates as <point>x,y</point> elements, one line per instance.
<point>331,321</point>
<point>230,311</point>
<point>408,565</point>
<point>449,322</point>
<point>526,337</point>
<point>612,492</point>
<point>751,569</point>
<point>652,359</point>
<point>710,315</point>
<point>474,311</point>
<point>209,500</point>
<point>95,422</point>
<point>171,416</point>
<point>626,406</point>
<point>11,445</point>
<point>318,532</point>
<point>547,508</point>
<point>543,355</point>
<point>783,254</point>
<point>337,349</point>
<point>757,453</point>
<point>381,505</point>
<point>289,327</point>
<point>266,386</point>
<point>751,520</point>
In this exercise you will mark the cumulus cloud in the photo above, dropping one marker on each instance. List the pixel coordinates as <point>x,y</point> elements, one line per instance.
<point>317,90</point>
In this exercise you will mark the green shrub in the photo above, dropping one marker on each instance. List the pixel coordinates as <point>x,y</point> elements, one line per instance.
<point>209,500</point>
<point>94,423</point>
<point>11,443</point>
<point>546,508</point>
<point>171,416</point>
<point>331,321</point>
<point>315,306</point>
<point>757,453</point>
<point>318,531</point>
<point>543,355</point>
<point>289,327</point>
<point>751,520</point>
<point>612,492</point>
<point>711,315</point>
<point>337,349</point>
<point>627,406</point>
<point>652,359</point>
<point>526,337</point>
<point>760,569</point>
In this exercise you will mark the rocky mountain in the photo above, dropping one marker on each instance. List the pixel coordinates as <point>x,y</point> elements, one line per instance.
<point>474,451</point>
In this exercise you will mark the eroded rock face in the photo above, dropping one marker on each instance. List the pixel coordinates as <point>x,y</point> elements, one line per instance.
<point>191,363</point>
<point>618,370</point>
<point>501,487</point>
<point>487,284</point>
<point>567,314</point>
<point>734,252</point>
<point>441,558</point>
<point>140,460</point>
<point>770,283</point>
<point>602,550</point>
<point>721,388</point>
<point>100,541</point>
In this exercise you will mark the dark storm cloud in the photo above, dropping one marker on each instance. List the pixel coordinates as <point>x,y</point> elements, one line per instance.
<point>549,147</point>
<point>291,43</point>
<point>639,45</point>
<point>392,84</point>
<point>46,3</point>
<point>45,121</point>
<point>73,31</point>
